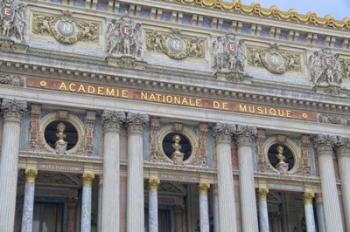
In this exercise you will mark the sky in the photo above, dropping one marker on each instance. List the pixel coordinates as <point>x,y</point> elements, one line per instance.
<point>338,8</point>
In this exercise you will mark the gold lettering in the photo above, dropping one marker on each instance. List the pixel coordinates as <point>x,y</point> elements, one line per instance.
<point>71,87</point>
<point>91,89</point>
<point>289,114</point>
<point>198,102</point>
<point>259,110</point>
<point>100,90</point>
<point>125,93</point>
<point>144,96</point>
<point>110,92</point>
<point>184,101</point>
<point>152,97</point>
<point>177,100</point>
<point>81,89</point>
<point>63,86</point>
<point>272,111</point>
<point>242,107</point>
<point>216,105</point>
<point>251,109</point>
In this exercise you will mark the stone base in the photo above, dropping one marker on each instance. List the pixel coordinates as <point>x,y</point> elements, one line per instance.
<point>126,62</point>
<point>231,76</point>
<point>11,45</point>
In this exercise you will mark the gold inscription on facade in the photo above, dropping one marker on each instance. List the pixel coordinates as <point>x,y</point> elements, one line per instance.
<point>265,110</point>
<point>163,98</point>
<point>91,89</point>
<point>171,99</point>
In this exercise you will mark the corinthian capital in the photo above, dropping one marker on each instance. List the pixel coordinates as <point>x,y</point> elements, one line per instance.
<point>136,122</point>
<point>324,143</point>
<point>343,146</point>
<point>112,120</point>
<point>245,135</point>
<point>13,109</point>
<point>223,132</point>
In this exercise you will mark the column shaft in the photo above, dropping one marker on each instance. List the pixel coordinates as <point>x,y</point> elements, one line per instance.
<point>28,206</point>
<point>309,212</point>
<point>86,202</point>
<point>111,182</point>
<point>153,204</point>
<point>203,207</point>
<point>320,214</point>
<point>328,184</point>
<point>263,210</point>
<point>13,112</point>
<point>227,202</point>
<point>246,178</point>
<point>135,186</point>
<point>343,153</point>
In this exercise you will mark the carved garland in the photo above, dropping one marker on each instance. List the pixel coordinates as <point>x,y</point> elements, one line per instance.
<point>65,29</point>
<point>175,45</point>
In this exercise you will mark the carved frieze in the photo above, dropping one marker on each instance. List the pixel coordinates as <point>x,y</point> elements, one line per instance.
<point>12,23</point>
<point>326,69</point>
<point>125,38</point>
<point>275,60</point>
<point>175,45</point>
<point>229,57</point>
<point>65,28</point>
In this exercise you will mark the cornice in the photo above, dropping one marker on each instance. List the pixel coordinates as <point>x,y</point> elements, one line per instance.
<point>169,81</point>
<point>273,12</point>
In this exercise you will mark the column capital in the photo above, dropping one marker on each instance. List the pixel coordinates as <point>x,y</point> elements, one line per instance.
<point>153,183</point>
<point>263,191</point>
<point>112,120</point>
<point>203,188</point>
<point>223,132</point>
<point>13,109</point>
<point>136,122</point>
<point>324,143</point>
<point>308,196</point>
<point>31,174</point>
<point>88,177</point>
<point>343,146</point>
<point>245,135</point>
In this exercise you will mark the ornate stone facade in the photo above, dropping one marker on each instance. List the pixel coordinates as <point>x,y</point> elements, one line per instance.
<point>13,22</point>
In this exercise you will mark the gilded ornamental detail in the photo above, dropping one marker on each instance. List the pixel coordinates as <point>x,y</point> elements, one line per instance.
<point>175,45</point>
<point>273,59</point>
<point>65,28</point>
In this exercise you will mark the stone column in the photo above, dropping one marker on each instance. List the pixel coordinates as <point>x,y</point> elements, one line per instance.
<point>85,221</point>
<point>28,206</point>
<point>343,153</point>
<point>135,201</point>
<point>245,136</point>
<point>320,214</point>
<point>111,182</point>
<point>12,112</point>
<point>203,207</point>
<point>227,203</point>
<point>153,185</point>
<point>263,210</point>
<point>324,147</point>
<point>309,212</point>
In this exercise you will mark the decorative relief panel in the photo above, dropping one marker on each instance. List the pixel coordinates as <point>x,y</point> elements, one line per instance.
<point>175,45</point>
<point>275,60</point>
<point>65,28</point>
